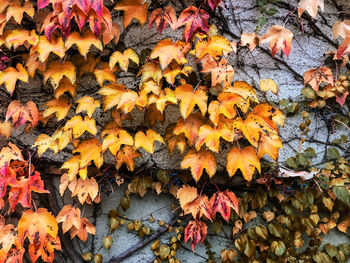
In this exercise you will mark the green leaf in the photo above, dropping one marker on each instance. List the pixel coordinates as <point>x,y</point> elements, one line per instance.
<point>345,248</point>
<point>331,250</point>
<point>310,152</point>
<point>292,163</point>
<point>302,160</point>
<point>333,153</point>
<point>262,232</point>
<point>342,193</point>
<point>272,11</point>
<point>249,250</point>
<point>276,229</point>
<point>262,20</point>
<point>309,93</point>
<point>278,247</point>
<point>322,258</point>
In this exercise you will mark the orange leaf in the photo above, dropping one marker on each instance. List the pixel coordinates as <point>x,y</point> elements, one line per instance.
<point>123,59</point>
<point>150,70</point>
<point>8,237</point>
<point>83,42</point>
<point>220,72</point>
<point>173,140</point>
<point>16,38</point>
<point>165,97</point>
<point>10,153</point>
<point>167,51</point>
<point>69,216</point>
<point>249,39</point>
<point>127,155</point>
<point>198,161</point>
<point>246,160</point>
<point>269,144</point>
<point>82,232</point>
<point>163,16</point>
<point>65,86</point>
<point>222,202</point>
<point>5,129</point>
<point>196,231</point>
<point>152,115</point>
<point>310,6</point>
<point>16,11</point>
<point>21,114</point>
<point>341,29</point>
<point>103,73</point>
<point>147,140</point>
<point>279,38</point>
<point>59,106</point>
<point>133,9</point>
<point>111,95</point>
<point>190,98</point>
<point>190,127</point>
<point>243,89</point>
<point>214,47</point>
<point>90,150</point>
<point>115,138</point>
<point>84,189</point>
<point>56,71</point>
<point>10,76</point>
<point>344,47</point>
<point>80,125</point>
<point>87,104</point>
<point>45,47</point>
<point>315,76</point>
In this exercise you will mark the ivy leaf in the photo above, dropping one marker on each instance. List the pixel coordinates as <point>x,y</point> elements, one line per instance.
<point>341,28</point>
<point>198,161</point>
<point>87,104</point>
<point>342,193</point>
<point>278,247</point>
<point>268,84</point>
<point>163,16</point>
<point>69,216</point>
<point>86,190</point>
<point>127,155</point>
<point>133,9</point>
<point>222,202</point>
<point>56,71</point>
<point>172,140</point>
<point>252,40</point>
<point>45,47</point>
<point>123,59</point>
<point>90,150</point>
<point>10,75</point>
<point>21,114</point>
<point>344,47</point>
<point>220,72</point>
<point>82,232</point>
<point>215,47</point>
<point>246,160</point>
<point>59,106</point>
<point>83,42</point>
<point>316,76</point>
<point>310,6</point>
<point>279,38</point>
<point>269,145</point>
<point>196,20</point>
<point>111,95</point>
<point>196,230</point>
<point>189,127</point>
<point>80,125</point>
<point>146,141</point>
<point>140,185</point>
<point>15,10</point>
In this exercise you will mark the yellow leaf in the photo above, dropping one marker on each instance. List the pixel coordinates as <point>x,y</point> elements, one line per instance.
<point>111,95</point>
<point>127,156</point>
<point>87,104</point>
<point>80,125</point>
<point>133,9</point>
<point>83,42</point>
<point>147,140</point>
<point>56,71</point>
<point>59,106</point>
<point>45,47</point>
<point>123,59</point>
<point>268,84</point>
<point>10,76</point>
<point>214,47</point>
<point>90,150</point>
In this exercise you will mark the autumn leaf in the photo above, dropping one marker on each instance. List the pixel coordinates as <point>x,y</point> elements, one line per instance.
<point>137,9</point>
<point>213,3</point>
<point>215,47</point>
<point>129,99</point>
<point>82,232</point>
<point>72,165</point>
<point>85,189</point>
<point>123,59</point>
<point>195,230</point>
<point>310,6</point>
<point>140,184</point>
<point>166,50</point>
<point>56,71</point>
<point>59,106</point>
<point>279,38</point>
<point>80,125</point>
<point>165,97</point>
<point>10,153</point>
<point>222,202</point>
<point>45,47</point>
<point>221,73</point>
<point>174,69</point>
<point>189,127</point>
<point>189,98</point>
<point>150,70</point>
<point>83,42</point>
<point>16,38</point>
<point>104,73</point>
<point>115,138</point>
<point>192,203</point>
<point>172,140</point>
<point>69,216</point>
<point>21,114</point>
<point>245,159</point>
<point>163,16</point>
<point>269,144</point>
<point>87,104</point>
<point>152,115</point>
<point>127,155</point>
<point>5,129</point>
<point>146,141</point>
<point>252,40</point>
<point>270,114</point>
<point>243,89</point>
<point>196,20</point>
<point>8,237</point>
<point>341,28</point>
<point>10,75</point>
<point>15,10</point>
<point>111,95</point>
<point>268,84</point>
<point>198,161</point>
<point>316,76</point>
<point>343,48</point>
<point>90,150</point>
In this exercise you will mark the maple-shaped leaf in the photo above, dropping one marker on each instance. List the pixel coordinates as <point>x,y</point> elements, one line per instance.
<point>15,10</point>
<point>46,252</point>
<point>21,114</point>
<point>87,104</point>
<point>69,216</point>
<point>189,98</point>
<point>310,6</point>
<point>269,144</point>
<point>189,127</point>
<point>85,189</point>
<point>196,20</point>
<point>268,84</point>
<point>129,99</point>
<point>82,232</point>
<point>316,76</point>
<point>146,141</point>
<point>36,226</point>
<point>33,64</point>
<point>5,129</point>
<point>173,70</point>
<point>45,142</point>
<point>192,203</point>
<point>279,38</point>
<point>163,16</point>
<point>195,230</point>
<point>10,75</point>
<point>243,89</point>
<point>80,125</point>
<point>215,47</point>
<point>152,115</point>
<point>115,138</point>
<point>56,71</point>
<point>7,178</point>
<point>59,106</point>
<point>341,28</point>
<point>245,159</point>
<point>252,40</point>
<point>111,95</point>
<point>123,59</point>
<point>150,86</point>
<point>133,9</point>
<point>150,70</point>
<point>270,114</point>
<point>45,47</point>
<point>90,150</point>
<point>213,3</point>
<point>10,153</point>
<point>72,165</point>
<point>343,48</point>
<point>165,97</point>
<point>8,237</point>
<point>172,140</point>
<point>23,192</point>
<point>127,155</point>
<point>16,38</point>
<point>221,73</point>
<point>166,50</point>
<point>198,161</point>
<point>83,42</point>
<point>222,202</point>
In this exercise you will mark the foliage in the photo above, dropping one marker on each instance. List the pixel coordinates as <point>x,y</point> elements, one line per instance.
<point>61,42</point>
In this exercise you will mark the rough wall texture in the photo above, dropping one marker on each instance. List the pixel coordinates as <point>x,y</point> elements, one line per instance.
<point>308,50</point>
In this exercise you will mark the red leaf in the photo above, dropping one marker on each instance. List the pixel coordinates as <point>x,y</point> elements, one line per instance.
<point>222,202</point>
<point>197,231</point>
